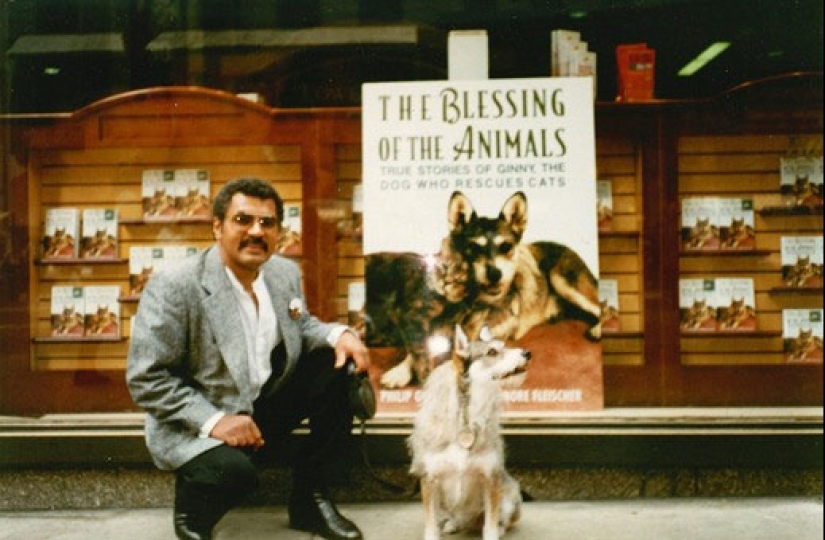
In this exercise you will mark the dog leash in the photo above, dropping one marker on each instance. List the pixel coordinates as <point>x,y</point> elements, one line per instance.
<point>398,489</point>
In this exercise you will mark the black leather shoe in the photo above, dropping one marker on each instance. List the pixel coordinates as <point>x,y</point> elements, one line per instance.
<point>317,514</point>
<point>189,528</point>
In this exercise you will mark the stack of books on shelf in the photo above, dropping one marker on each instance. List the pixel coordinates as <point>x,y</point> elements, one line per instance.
<point>83,312</point>
<point>570,57</point>
<point>719,304</point>
<point>636,72</point>
<point>609,304</point>
<point>67,236</point>
<point>802,335</point>
<point>175,194</point>
<point>717,223</point>
<point>801,258</point>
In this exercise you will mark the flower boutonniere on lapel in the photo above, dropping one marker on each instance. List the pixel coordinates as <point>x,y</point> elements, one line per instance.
<point>295,309</point>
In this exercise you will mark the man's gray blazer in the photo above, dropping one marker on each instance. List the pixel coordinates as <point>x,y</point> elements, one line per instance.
<point>188,355</point>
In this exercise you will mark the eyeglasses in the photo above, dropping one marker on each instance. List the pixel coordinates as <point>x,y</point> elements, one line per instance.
<point>246,221</point>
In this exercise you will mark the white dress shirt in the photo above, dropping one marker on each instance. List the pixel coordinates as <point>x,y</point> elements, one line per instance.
<point>262,334</point>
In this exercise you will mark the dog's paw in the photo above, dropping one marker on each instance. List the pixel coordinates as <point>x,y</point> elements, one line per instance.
<point>397,377</point>
<point>449,527</point>
<point>432,535</point>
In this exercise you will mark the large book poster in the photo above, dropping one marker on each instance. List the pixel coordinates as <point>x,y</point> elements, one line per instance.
<point>480,210</point>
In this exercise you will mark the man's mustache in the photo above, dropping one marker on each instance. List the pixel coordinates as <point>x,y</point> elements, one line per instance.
<point>254,242</point>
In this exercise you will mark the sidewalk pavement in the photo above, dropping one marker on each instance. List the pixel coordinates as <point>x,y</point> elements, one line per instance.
<point>655,519</point>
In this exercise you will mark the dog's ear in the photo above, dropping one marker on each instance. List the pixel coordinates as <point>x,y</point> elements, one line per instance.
<point>514,212</point>
<point>461,343</point>
<point>485,334</point>
<point>459,212</point>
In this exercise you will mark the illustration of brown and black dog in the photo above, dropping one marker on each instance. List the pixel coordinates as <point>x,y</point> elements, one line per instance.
<point>519,285</point>
<point>483,275</point>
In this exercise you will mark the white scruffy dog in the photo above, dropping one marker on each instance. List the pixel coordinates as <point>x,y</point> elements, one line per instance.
<point>456,444</point>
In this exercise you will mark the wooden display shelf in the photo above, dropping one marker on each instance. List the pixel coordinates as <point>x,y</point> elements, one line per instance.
<point>725,253</point>
<point>80,339</point>
<point>622,334</point>
<point>730,334</point>
<point>170,221</point>
<point>620,234</point>
<point>794,210</point>
<point>76,261</point>
<point>815,291</point>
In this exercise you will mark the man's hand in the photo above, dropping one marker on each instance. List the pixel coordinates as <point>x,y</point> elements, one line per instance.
<point>238,430</point>
<point>349,346</point>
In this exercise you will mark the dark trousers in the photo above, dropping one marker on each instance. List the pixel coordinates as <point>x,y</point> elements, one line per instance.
<point>217,480</point>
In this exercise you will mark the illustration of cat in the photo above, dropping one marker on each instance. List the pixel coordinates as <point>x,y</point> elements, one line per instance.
<point>194,204</point>
<point>102,322</point>
<point>702,234</point>
<point>159,204</point>
<point>698,315</point>
<point>102,244</point>
<point>806,346</point>
<point>68,323</point>
<point>736,315</point>
<point>739,234</point>
<point>138,281</point>
<point>802,272</point>
<point>59,244</point>
<point>806,192</point>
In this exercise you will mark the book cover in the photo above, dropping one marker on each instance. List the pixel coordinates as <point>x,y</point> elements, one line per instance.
<point>102,313</point>
<point>802,335</point>
<point>356,303</point>
<point>192,193</point>
<point>447,200</point>
<point>67,307</point>
<point>143,260</point>
<point>289,243</point>
<point>61,231</point>
<point>801,179</point>
<point>801,258</point>
<point>700,223</point>
<point>609,304</point>
<point>159,192</point>
<point>697,305</point>
<point>736,224</point>
<point>736,304</point>
<point>100,234</point>
<point>604,204</point>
